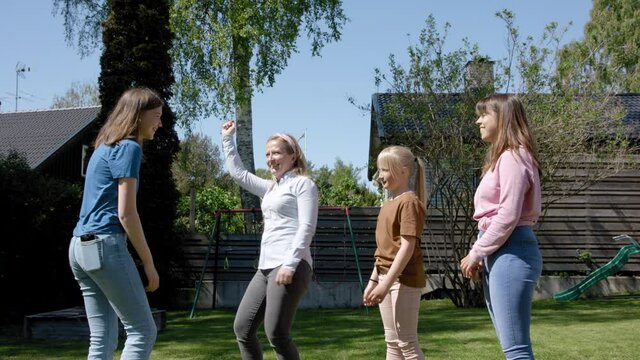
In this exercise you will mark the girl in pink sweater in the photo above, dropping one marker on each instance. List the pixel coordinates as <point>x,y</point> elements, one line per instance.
<point>507,203</point>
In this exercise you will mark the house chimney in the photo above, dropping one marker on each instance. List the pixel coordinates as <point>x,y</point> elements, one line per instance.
<point>479,75</point>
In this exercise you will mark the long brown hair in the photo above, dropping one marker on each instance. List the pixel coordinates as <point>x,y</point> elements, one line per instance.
<point>513,128</point>
<point>395,157</point>
<point>124,119</point>
<point>292,147</point>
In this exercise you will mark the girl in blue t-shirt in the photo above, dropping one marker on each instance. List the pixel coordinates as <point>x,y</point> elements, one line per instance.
<point>98,255</point>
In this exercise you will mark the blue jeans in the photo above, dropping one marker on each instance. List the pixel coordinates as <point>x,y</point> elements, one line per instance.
<point>111,292</point>
<point>510,276</point>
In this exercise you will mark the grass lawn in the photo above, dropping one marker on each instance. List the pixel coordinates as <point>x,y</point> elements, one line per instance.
<point>585,329</point>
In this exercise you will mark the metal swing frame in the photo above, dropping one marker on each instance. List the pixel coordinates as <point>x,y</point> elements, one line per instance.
<point>214,242</point>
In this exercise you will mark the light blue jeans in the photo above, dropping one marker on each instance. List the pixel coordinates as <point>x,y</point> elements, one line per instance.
<point>111,292</point>
<point>510,276</point>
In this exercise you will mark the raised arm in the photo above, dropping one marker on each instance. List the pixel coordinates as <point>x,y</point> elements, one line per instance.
<point>250,182</point>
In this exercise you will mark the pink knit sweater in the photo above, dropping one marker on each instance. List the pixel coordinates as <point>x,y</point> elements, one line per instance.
<point>507,197</point>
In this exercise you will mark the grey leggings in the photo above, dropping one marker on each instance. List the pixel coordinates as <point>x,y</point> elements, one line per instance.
<point>274,304</point>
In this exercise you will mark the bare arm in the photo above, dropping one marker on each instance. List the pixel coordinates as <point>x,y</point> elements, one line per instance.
<point>373,282</point>
<point>130,220</point>
<point>400,262</point>
<point>378,291</point>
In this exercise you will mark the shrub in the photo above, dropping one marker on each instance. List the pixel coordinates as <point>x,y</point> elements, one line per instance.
<point>34,270</point>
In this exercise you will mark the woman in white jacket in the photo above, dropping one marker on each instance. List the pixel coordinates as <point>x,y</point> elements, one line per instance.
<point>290,210</point>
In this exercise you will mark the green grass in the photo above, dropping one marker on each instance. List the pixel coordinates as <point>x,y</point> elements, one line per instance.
<point>586,329</point>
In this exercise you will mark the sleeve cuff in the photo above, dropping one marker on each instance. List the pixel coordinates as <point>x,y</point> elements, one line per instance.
<point>474,256</point>
<point>292,269</point>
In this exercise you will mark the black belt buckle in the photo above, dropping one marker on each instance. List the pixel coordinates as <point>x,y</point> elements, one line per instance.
<point>88,237</point>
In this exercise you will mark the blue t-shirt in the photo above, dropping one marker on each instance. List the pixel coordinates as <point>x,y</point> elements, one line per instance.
<point>99,212</point>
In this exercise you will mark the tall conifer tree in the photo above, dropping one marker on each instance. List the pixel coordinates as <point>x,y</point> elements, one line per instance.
<point>136,43</point>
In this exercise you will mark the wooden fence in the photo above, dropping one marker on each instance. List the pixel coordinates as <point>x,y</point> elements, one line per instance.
<point>332,249</point>
<point>586,223</point>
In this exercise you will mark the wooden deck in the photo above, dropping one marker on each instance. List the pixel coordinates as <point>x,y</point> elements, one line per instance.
<point>71,324</point>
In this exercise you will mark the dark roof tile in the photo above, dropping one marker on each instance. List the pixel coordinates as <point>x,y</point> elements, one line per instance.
<point>631,104</point>
<point>447,103</point>
<point>38,134</point>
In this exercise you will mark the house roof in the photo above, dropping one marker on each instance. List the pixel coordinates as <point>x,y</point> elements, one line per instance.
<point>446,103</point>
<point>380,101</point>
<point>631,104</point>
<point>39,134</point>
<point>443,105</point>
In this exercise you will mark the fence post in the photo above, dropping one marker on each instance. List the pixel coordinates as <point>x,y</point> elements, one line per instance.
<point>213,237</point>
<point>355,250</point>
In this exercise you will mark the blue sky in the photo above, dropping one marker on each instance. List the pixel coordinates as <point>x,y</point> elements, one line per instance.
<point>311,94</point>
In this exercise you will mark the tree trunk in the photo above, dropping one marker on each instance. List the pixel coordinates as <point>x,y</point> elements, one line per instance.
<point>244,129</point>
<point>192,211</point>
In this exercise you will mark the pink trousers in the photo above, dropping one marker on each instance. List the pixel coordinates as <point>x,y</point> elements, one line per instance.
<point>399,311</point>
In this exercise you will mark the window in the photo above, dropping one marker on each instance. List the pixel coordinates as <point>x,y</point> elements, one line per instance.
<point>86,155</point>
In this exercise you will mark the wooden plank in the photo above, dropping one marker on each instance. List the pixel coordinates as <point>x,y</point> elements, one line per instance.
<point>71,324</point>
<point>587,221</point>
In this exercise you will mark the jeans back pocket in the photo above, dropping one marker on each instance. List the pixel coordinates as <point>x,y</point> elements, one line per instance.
<point>90,258</point>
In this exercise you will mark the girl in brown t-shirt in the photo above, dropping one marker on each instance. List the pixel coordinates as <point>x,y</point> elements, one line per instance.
<point>398,276</point>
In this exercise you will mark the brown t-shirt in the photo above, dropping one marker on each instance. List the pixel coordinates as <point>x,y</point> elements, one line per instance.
<point>403,216</point>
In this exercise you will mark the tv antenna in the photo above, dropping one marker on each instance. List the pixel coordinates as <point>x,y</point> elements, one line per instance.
<point>20,70</point>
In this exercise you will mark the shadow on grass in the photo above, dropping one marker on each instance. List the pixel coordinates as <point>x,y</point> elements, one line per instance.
<point>207,333</point>
<point>345,333</point>
<point>18,348</point>
<point>336,329</point>
<point>585,311</point>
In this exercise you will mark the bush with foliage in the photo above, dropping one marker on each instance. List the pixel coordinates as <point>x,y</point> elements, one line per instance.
<point>340,187</point>
<point>208,201</point>
<point>39,216</point>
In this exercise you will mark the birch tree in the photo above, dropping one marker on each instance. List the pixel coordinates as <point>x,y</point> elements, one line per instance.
<point>227,49</point>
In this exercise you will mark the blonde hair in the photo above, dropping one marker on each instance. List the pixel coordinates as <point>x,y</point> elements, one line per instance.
<point>396,157</point>
<point>292,147</point>
<point>513,128</point>
<point>124,119</point>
